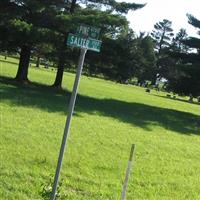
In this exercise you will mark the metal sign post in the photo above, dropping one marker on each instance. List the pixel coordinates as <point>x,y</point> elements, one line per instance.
<point>68,121</point>
<point>86,39</point>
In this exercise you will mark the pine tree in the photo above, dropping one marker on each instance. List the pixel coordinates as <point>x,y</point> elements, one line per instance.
<point>177,42</point>
<point>186,80</point>
<point>97,13</point>
<point>162,36</point>
<point>26,24</point>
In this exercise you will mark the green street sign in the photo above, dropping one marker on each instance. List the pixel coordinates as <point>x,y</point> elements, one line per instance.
<point>88,31</point>
<point>87,43</point>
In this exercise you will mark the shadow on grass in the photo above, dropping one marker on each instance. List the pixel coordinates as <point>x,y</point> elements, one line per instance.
<point>137,114</point>
<point>10,62</point>
<point>177,99</point>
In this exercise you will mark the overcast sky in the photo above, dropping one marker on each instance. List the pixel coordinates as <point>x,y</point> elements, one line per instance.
<point>157,10</point>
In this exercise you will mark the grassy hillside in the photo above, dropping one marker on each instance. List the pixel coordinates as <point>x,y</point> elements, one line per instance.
<point>108,118</point>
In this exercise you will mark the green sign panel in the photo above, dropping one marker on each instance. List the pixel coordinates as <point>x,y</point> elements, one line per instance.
<point>88,43</point>
<point>88,31</point>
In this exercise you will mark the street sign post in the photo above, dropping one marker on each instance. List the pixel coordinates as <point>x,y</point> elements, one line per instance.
<point>84,40</point>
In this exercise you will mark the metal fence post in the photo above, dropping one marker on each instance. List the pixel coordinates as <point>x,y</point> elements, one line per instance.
<point>128,171</point>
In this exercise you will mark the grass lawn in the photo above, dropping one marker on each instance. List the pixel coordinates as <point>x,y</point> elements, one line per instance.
<point>108,118</point>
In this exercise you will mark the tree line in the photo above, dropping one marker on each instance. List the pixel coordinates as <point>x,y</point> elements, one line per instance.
<point>39,28</point>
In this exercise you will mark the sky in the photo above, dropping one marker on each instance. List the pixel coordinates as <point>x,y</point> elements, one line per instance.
<point>157,10</point>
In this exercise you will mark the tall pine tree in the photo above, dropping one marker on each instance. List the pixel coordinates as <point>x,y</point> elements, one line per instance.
<point>162,36</point>
<point>186,80</point>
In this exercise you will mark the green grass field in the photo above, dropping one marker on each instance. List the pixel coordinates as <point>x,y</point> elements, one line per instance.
<point>108,118</point>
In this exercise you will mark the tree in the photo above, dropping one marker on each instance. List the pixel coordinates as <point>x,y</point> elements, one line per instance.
<point>146,59</point>
<point>162,35</point>
<point>169,62</point>
<point>26,24</point>
<point>42,51</point>
<point>177,42</point>
<point>124,57</point>
<point>186,80</point>
<point>97,13</point>
<point>63,23</point>
<point>117,57</point>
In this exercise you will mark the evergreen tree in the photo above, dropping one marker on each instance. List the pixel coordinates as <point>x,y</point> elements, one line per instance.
<point>26,24</point>
<point>125,57</point>
<point>162,35</point>
<point>168,62</point>
<point>114,60</point>
<point>186,80</point>
<point>177,42</point>
<point>146,63</point>
<point>97,13</point>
